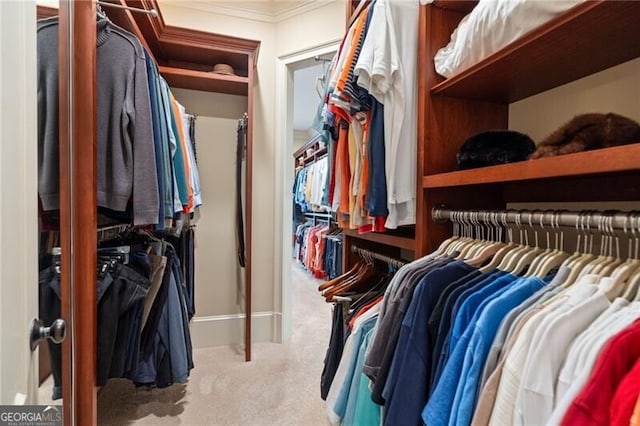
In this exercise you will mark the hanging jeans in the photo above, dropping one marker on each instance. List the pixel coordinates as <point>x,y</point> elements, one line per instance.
<point>120,293</point>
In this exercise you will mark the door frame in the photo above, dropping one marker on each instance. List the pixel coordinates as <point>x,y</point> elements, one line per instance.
<point>18,205</point>
<point>285,67</point>
<point>78,209</point>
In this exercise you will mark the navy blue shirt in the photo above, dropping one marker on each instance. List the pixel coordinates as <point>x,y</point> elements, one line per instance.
<point>406,389</point>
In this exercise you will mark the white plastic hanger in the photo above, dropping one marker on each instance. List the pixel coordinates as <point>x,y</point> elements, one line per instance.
<point>558,256</point>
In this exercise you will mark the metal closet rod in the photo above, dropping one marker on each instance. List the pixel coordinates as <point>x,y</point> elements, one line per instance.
<point>152,12</point>
<point>585,219</point>
<point>371,254</point>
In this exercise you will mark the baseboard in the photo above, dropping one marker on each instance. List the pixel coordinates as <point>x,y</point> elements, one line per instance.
<point>225,330</point>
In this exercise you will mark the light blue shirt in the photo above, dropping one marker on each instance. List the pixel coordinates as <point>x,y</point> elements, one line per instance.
<point>340,406</point>
<point>361,410</point>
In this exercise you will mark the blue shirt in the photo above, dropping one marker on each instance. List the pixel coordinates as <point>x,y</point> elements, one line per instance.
<point>472,305</point>
<point>406,389</point>
<point>361,410</point>
<point>453,401</point>
<point>444,325</point>
<point>340,406</point>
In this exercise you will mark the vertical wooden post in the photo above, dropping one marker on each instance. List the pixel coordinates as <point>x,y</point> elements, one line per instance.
<point>77,56</point>
<point>249,210</point>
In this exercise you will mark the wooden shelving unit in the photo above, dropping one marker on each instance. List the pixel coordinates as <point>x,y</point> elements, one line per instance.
<point>608,160</point>
<point>184,55</point>
<point>589,38</point>
<point>391,240</point>
<point>205,81</point>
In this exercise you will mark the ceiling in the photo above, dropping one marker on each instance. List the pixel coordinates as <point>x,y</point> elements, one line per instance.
<point>263,10</point>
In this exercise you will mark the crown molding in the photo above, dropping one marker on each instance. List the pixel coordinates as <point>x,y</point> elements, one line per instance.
<point>300,7</point>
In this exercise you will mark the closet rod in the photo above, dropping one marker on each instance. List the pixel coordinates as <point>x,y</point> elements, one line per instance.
<point>585,219</point>
<point>370,254</point>
<point>152,12</point>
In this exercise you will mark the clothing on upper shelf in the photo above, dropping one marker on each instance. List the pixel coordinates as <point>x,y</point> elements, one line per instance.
<point>455,344</point>
<point>145,157</point>
<point>369,112</point>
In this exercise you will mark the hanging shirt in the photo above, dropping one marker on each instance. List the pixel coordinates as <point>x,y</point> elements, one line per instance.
<point>580,363</point>
<point>484,331</point>
<point>387,68</point>
<point>406,390</point>
<point>592,404</point>
<point>626,396</point>
<point>125,148</point>
<point>504,407</point>
<point>536,395</point>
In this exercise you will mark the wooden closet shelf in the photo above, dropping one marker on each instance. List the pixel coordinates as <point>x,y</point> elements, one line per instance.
<point>589,38</point>
<point>607,160</point>
<point>406,243</point>
<point>206,81</point>
<point>311,158</point>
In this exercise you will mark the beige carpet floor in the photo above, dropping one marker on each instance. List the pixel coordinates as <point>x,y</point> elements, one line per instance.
<point>281,386</point>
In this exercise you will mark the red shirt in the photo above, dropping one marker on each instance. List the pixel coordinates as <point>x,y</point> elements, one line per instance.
<point>625,398</point>
<point>591,406</point>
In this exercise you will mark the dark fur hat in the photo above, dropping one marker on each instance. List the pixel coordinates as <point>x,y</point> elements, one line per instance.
<point>494,147</point>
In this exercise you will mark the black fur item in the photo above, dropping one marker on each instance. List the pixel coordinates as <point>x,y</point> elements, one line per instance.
<point>494,147</point>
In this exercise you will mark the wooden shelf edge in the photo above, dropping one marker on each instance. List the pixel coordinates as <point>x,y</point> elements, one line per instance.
<point>607,160</point>
<point>207,81</point>
<point>406,243</point>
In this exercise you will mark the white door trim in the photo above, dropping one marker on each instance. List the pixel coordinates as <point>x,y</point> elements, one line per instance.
<point>285,66</point>
<point>18,205</point>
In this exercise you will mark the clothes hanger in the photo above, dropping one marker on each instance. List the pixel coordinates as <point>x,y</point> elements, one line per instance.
<point>339,285</point>
<point>443,247</point>
<point>354,283</point>
<point>542,255</point>
<point>476,238</point>
<point>495,242</point>
<point>524,258</point>
<point>585,255</point>
<point>513,254</point>
<point>503,252</point>
<point>623,276</point>
<point>558,256</point>
<point>328,284</point>
<point>590,266</point>
<point>459,243</point>
<point>615,261</point>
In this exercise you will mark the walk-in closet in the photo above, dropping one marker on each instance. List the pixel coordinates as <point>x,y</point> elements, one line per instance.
<point>305,212</point>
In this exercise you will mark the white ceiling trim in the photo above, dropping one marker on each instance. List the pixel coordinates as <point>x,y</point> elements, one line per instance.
<point>300,7</point>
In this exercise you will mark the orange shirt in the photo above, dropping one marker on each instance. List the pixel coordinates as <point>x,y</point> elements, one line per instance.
<point>359,28</point>
<point>635,418</point>
<point>182,142</point>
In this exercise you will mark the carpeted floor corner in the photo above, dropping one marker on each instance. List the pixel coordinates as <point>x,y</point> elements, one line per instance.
<point>281,386</point>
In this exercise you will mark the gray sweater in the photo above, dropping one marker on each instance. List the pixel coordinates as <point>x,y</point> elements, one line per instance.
<point>125,150</point>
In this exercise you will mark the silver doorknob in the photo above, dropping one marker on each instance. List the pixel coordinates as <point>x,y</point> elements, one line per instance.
<point>56,332</point>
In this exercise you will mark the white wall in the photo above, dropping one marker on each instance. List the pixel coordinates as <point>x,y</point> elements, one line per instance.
<point>616,89</point>
<point>276,39</point>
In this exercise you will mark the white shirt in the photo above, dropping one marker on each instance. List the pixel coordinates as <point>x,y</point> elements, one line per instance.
<point>387,68</point>
<point>536,394</point>
<point>515,361</point>
<point>584,366</point>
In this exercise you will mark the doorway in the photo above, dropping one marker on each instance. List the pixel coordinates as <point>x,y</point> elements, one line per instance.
<point>304,65</point>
